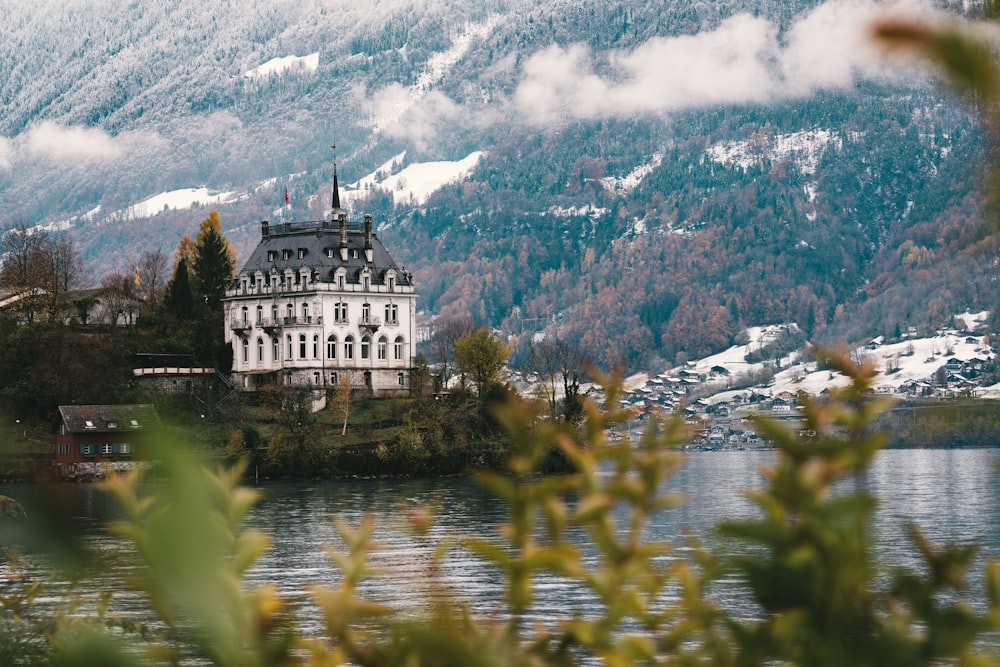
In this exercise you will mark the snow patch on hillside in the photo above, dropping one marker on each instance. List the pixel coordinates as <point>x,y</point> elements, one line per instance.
<point>415,183</point>
<point>625,184</point>
<point>587,210</point>
<point>177,200</point>
<point>274,66</point>
<point>805,148</point>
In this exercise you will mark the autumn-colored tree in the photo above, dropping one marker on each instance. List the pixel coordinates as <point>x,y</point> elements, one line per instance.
<point>481,356</point>
<point>340,402</point>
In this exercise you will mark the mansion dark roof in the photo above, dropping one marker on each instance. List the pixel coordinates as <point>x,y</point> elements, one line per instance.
<point>317,247</point>
<point>108,418</point>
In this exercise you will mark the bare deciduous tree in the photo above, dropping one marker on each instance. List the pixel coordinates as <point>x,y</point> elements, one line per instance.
<point>442,344</point>
<point>39,267</point>
<point>151,272</point>
<point>119,298</point>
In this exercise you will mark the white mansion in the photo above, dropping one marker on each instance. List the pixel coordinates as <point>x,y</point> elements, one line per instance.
<point>322,303</point>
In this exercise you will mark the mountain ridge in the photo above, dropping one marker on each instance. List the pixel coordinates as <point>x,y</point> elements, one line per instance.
<point>603,208</point>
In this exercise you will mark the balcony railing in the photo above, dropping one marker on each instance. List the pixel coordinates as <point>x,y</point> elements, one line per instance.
<point>370,323</point>
<point>308,320</point>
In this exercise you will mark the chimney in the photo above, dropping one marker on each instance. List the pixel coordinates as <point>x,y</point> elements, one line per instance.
<point>368,237</point>
<point>343,236</point>
<point>264,228</point>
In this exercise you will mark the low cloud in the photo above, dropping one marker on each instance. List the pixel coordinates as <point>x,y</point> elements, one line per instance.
<point>744,60</point>
<point>6,151</point>
<point>50,141</point>
<point>424,119</point>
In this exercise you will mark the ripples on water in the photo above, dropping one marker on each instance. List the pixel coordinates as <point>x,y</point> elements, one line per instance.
<point>950,494</point>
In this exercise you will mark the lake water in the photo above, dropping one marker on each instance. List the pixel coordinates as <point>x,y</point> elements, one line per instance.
<point>951,494</point>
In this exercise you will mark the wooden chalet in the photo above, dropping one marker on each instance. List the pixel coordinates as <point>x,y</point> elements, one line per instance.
<point>87,434</point>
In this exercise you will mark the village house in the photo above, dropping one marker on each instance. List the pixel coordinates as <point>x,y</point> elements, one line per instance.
<point>89,437</point>
<point>320,303</point>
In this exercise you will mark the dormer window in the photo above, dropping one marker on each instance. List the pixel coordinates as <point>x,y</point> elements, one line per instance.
<point>271,255</point>
<point>112,424</point>
<point>134,423</point>
<point>354,253</point>
<point>302,253</point>
<point>285,254</point>
<point>328,252</point>
<point>88,424</point>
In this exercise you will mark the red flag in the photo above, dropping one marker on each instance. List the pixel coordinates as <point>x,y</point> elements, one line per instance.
<point>286,196</point>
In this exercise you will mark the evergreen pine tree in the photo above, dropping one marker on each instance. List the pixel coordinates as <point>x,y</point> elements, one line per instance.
<point>178,298</point>
<point>213,271</point>
<point>213,264</point>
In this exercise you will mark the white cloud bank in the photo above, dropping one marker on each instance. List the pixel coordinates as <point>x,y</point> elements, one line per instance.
<point>6,151</point>
<point>48,141</point>
<point>743,60</point>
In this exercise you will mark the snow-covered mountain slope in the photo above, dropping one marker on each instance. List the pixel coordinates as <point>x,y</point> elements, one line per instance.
<point>628,168</point>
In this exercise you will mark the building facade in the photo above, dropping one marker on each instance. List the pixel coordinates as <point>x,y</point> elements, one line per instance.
<point>321,303</point>
<point>101,434</point>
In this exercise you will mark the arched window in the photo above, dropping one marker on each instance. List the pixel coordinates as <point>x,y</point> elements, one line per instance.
<point>302,346</point>
<point>246,351</point>
<point>397,348</point>
<point>260,350</point>
<point>290,314</point>
<point>331,347</point>
<point>245,315</point>
<point>383,345</point>
<point>366,347</point>
<point>274,314</point>
<point>260,314</point>
<point>349,347</point>
<point>305,312</point>
<point>315,346</point>
<point>274,349</point>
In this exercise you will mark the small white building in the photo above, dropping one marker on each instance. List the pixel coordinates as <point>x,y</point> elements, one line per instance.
<point>321,303</point>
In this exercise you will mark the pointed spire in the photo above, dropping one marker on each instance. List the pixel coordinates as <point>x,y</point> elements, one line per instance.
<point>335,204</point>
<point>336,189</point>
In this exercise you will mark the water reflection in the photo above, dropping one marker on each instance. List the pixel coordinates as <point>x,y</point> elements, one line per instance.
<point>950,494</point>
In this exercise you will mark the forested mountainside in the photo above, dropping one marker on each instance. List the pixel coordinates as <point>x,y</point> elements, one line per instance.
<point>656,175</point>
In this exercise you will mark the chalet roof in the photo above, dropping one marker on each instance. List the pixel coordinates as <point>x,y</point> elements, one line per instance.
<point>108,418</point>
